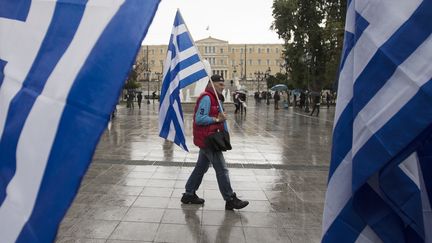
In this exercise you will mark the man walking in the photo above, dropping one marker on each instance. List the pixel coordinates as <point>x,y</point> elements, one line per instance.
<point>207,120</point>
<point>316,104</point>
<point>139,99</point>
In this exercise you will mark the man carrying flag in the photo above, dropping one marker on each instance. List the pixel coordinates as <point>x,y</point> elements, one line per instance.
<point>209,118</point>
<point>380,179</point>
<point>183,66</point>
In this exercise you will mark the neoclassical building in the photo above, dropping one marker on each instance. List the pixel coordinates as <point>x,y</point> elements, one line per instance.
<point>232,61</point>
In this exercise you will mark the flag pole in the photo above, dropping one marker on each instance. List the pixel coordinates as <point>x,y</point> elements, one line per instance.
<point>200,57</point>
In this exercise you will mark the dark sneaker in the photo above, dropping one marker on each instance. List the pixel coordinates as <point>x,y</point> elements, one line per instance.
<point>191,199</point>
<point>235,203</point>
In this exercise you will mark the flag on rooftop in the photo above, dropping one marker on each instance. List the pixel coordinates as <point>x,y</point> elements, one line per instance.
<point>380,179</point>
<point>182,67</point>
<point>62,67</point>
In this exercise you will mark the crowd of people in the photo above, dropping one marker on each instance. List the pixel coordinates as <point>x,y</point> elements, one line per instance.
<point>300,99</point>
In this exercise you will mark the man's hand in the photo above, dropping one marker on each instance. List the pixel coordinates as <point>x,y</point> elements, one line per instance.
<point>221,117</point>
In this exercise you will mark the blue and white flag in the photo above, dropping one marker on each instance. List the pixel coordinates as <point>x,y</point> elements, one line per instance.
<point>182,67</point>
<point>380,179</point>
<point>62,66</point>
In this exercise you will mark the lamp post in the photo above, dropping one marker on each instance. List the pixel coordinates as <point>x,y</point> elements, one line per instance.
<point>158,75</point>
<point>307,83</point>
<point>258,77</point>
<point>266,75</point>
<point>233,74</point>
<point>148,85</point>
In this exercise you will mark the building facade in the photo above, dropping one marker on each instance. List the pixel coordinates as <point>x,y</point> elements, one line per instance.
<point>244,62</point>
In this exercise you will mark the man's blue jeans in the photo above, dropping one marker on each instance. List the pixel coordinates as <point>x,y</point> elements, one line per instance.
<point>216,158</point>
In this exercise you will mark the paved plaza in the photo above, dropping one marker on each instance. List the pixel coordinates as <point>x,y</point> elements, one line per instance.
<point>132,191</point>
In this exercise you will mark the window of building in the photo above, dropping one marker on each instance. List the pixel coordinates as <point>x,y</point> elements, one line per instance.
<point>250,61</point>
<point>152,62</point>
<point>259,50</point>
<point>205,49</point>
<point>221,50</point>
<point>241,61</point>
<point>250,50</point>
<point>268,50</point>
<point>232,50</point>
<point>277,50</point>
<point>268,62</point>
<point>161,62</point>
<point>241,50</point>
<point>259,61</point>
<point>161,51</point>
<point>213,49</point>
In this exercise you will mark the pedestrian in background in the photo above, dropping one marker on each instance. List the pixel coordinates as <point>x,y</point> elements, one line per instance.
<point>316,104</point>
<point>139,99</point>
<point>276,98</point>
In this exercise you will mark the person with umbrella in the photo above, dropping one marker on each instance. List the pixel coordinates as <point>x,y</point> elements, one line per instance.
<point>278,88</point>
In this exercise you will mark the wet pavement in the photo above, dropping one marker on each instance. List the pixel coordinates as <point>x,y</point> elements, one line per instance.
<point>131,193</point>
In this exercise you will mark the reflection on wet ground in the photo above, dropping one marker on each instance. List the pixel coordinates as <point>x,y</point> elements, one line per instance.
<point>262,137</point>
<point>132,190</point>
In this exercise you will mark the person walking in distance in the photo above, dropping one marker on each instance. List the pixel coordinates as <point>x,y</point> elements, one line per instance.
<point>207,120</point>
<point>276,98</point>
<point>139,99</point>
<point>316,104</point>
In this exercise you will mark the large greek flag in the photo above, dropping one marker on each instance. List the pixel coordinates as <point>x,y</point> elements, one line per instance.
<point>183,66</point>
<point>380,180</point>
<point>62,66</point>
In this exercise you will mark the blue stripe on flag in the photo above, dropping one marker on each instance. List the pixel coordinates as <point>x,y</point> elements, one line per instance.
<point>342,138</point>
<point>425,158</point>
<point>361,25</point>
<point>378,215</point>
<point>404,196</point>
<point>15,9</point>
<point>171,116</point>
<point>386,143</point>
<point>2,66</point>
<point>60,34</point>
<point>164,86</point>
<point>184,41</point>
<point>396,50</point>
<point>178,20</point>
<point>193,78</point>
<point>349,42</point>
<point>186,63</point>
<point>346,227</point>
<point>86,115</point>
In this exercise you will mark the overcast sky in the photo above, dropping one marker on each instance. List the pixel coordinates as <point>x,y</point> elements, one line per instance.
<point>236,21</point>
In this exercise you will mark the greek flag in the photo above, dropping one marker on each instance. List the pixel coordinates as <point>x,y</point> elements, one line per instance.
<point>62,66</point>
<point>380,179</point>
<point>182,66</point>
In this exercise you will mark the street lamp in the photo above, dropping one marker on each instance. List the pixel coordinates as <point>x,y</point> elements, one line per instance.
<point>266,75</point>
<point>259,75</point>
<point>158,75</point>
<point>148,85</point>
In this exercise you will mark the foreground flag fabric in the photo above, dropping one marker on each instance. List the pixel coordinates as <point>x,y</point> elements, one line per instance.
<point>380,179</point>
<point>62,66</point>
<point>182,67</point>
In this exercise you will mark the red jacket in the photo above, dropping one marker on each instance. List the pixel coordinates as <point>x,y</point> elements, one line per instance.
<point>200,132</point>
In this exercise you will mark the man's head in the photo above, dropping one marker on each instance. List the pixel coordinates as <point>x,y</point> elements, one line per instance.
<point>218,82</point>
